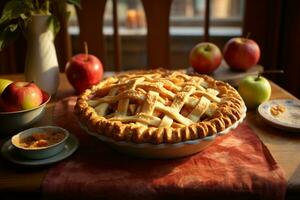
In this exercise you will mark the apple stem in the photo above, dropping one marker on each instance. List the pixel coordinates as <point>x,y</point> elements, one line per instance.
<point>269,72</point>
<point>86,50</point>
<point>258,76</point>
<point>207,48</point>
<point>248,35</point>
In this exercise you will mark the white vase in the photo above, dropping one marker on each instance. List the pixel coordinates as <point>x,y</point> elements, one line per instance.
<point>41,65</point>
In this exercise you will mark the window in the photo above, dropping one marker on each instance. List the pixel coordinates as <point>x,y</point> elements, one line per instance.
<point>186,18</point>
<point>186,28</point>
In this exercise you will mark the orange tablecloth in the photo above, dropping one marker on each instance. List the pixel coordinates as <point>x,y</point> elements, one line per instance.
<point>236,165</point>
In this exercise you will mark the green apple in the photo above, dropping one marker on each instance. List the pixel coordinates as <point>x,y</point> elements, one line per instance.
<point>3,84</point>
<point>254,90</point>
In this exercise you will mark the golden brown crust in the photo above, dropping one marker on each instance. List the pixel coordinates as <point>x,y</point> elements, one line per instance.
<point>229,110</point>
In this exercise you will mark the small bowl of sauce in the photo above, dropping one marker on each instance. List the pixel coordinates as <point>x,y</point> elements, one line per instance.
<point>40,142</point>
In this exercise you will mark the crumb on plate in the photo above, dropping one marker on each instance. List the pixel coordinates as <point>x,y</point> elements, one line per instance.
<point>277,109</point>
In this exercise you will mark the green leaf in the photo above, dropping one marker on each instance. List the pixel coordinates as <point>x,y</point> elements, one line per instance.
<point>13,27</point>
<point>54,25</point>
<point>12,10</point>
<point>75,2</point>
<point>23,16</point>
<point>9,34</point>
<point>29,4</point>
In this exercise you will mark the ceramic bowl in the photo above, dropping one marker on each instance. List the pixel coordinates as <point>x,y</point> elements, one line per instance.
<point>39,152</point>
<point>15,121</point>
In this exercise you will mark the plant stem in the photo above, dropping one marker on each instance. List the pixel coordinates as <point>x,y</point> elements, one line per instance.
<point>47,7</point>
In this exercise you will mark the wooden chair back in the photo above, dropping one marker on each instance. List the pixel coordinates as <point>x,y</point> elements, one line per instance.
<point>157,12</point>
<point>90,20</point>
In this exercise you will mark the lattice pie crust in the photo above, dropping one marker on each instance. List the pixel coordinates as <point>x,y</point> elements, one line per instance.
<point>159,106</point>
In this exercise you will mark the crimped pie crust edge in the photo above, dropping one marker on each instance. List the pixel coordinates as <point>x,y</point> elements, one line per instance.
<point>226,114</point>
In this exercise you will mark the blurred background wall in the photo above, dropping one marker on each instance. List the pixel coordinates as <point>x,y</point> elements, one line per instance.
<point>274,24</point>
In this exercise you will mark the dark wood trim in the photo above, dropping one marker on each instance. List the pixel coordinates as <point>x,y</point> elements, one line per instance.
<point>91,31</point>
<point>62,39</point>
<point>117,40</point>
<point>206,20</point>
<point>158,37</point>
<point>274,24</point>
<point>262,20</point>
<point>289,55</point>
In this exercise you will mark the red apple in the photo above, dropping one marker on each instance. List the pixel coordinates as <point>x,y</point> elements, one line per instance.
<point>241,53</point>
<point>21,96</point>
<point>84,71</point>
<point>205,57</point>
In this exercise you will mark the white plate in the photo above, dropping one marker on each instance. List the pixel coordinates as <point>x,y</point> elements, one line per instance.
<point>9,152</point>
<point>288,120</point>
<point>163,151</point>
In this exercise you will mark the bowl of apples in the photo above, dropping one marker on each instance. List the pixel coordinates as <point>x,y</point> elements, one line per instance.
<point>21,105</point>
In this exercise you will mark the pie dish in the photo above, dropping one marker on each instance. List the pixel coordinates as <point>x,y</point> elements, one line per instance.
<point>159,106</point>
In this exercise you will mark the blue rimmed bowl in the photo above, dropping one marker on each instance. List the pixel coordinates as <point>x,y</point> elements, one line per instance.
<point>39,152</point>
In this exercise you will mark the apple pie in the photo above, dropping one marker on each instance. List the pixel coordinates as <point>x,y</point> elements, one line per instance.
<point>159,106</point>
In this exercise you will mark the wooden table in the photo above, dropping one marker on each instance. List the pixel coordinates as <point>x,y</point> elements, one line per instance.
<point>283,145</point>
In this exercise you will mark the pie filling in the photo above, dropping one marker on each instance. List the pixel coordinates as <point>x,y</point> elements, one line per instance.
<point>159,106</point>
